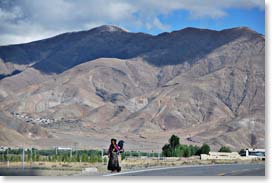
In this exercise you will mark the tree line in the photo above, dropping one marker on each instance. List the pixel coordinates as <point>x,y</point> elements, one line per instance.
<point>51,155</point>
<point>175,149</point>
<point>172,149</point>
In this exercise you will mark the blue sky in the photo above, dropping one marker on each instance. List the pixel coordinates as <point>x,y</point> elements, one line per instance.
<point>23,21</point>
<point>253,18</point>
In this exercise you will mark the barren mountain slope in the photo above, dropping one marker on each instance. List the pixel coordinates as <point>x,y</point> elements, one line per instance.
<point>178,84</point>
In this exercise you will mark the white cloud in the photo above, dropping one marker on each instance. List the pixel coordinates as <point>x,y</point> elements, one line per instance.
<point>12,14</point>
<point>27,20</point>
<point>157,23</point>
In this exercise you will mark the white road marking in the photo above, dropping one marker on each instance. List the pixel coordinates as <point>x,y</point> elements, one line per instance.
<point>241,171</point>
<point>163,168</point>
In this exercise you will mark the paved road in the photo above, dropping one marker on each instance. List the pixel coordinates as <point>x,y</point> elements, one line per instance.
<point>201,170</point>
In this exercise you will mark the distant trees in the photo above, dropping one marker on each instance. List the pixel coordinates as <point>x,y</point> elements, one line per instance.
<point>205,149</point>
<point>175,149</point>
<point>167,150</point>
<point>224,149</point>
<point>174,141</point>
<point>15,155</point>
<point>242,151</point>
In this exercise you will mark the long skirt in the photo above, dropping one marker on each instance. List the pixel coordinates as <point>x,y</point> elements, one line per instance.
<point>113,163</point>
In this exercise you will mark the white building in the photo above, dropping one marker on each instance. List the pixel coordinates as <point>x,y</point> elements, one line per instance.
<point>253,153</point>
<point>3,148</point>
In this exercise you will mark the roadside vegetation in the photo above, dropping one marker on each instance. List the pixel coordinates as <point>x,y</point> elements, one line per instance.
<point>224,149</point>
<point>51,155</point>
<point>172,149</point>
<point>175,149</point>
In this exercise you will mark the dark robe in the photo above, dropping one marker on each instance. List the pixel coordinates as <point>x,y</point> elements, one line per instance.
<point>113,163</point>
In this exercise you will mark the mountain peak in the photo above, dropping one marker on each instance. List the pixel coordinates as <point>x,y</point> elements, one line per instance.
<point>109,28</point>
<point>243,29</point>
<point>193,30</point>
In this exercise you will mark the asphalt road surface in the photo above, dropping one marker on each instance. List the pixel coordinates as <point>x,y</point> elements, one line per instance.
<point>200,170</point>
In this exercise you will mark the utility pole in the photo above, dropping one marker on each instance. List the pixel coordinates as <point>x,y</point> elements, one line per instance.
<point>102,154</point>
<point>35,155</point>
<point>76,148</point>
<point>31,154</point>
<point>3,152</point>
<point>2,159</point>
<point>56,153</point>
<point>8,157</point>
<point>31,157</point>
<point>23,158</point>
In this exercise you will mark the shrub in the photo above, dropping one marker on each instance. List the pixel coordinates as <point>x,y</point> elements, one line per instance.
<point>205,149</point>
<point>224,149</point>
<point>194,149</point>
<point>175,149</point>
<point>84,157</point>
<point>187,152</point>
<point>166,150</point>
<point>174,141</point>
<point>123,156</point>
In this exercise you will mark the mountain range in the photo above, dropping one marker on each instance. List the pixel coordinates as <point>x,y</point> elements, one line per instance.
<point>86,87</point>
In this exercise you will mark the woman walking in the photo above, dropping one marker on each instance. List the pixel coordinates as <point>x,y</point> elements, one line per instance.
<point>113,151</point>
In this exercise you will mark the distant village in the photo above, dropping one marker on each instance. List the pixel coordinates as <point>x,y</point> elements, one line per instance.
<point>29,119</point>
<point>47,122</point>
